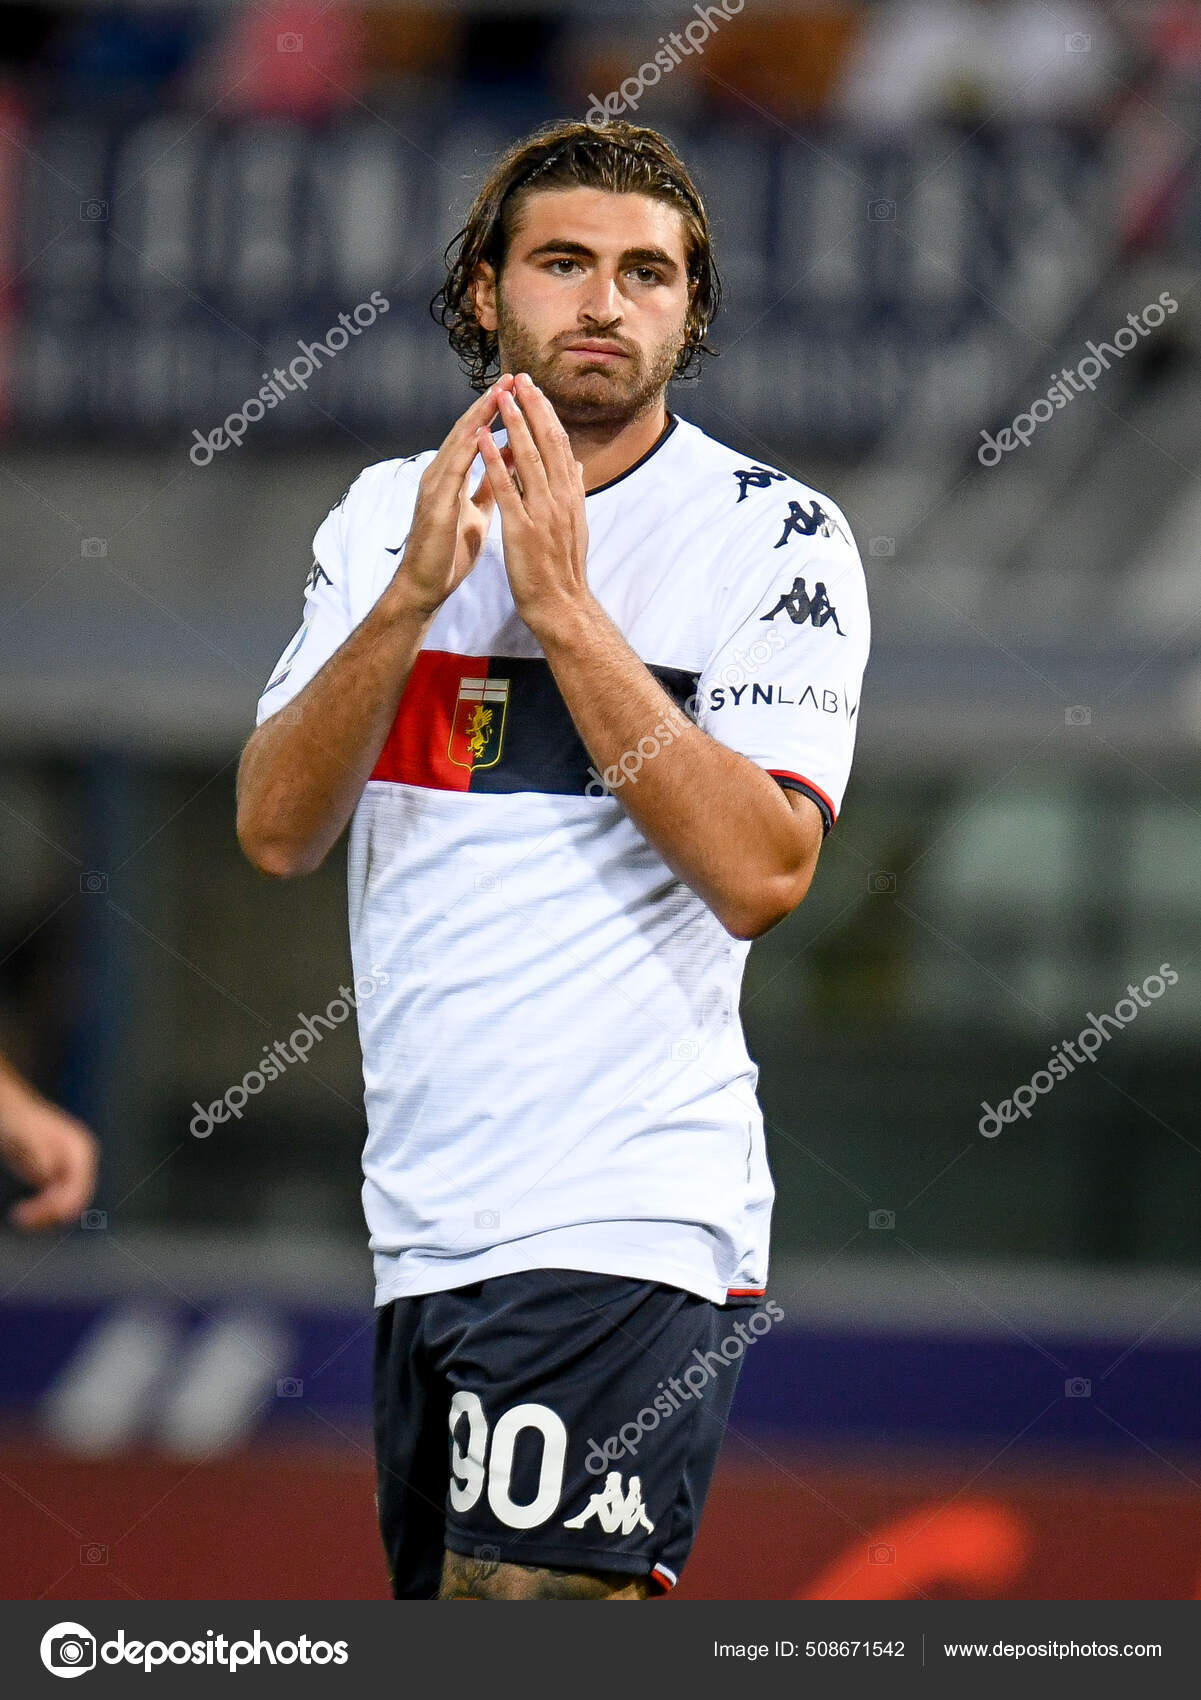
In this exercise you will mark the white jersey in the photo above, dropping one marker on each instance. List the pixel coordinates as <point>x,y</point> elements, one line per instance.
<point>555,1070</point>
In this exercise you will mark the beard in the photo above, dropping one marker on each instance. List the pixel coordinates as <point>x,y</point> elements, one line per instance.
<point>603,396</point>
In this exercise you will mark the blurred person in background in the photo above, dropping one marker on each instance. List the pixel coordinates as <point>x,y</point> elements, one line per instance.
<point>972,59</point>
<point>46,1148</point>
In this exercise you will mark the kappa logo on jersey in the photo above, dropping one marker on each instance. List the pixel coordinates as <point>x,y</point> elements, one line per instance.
<point>804,523</point>
<point>755,478</point>
<point>317,575</point>
<point>800,606</point>
<point>478,726</point>
<point>614,1511</point>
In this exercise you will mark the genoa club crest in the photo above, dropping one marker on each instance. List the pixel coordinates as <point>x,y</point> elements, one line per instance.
<point>478,726</point>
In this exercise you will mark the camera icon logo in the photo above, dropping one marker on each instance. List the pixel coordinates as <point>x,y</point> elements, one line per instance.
<point>93,1553</point>
<point>879,883</point>
<point>93,548</point>
<point>288,1387</point>
<point>685,1050</point>
<point>880,210</point>
<point>881,1555</point>
<point>487,1218</point>
<point>93,883</point>
<point>487,882</point>
<point>289,42</point>
<point>882,546</point>
<point>1078,1387</point>
<point>68,1649</point>
<point>94,1220</point>
<point>93,212</point>
<point>1078,715</point>
<point>881,1218</point>
<point>1078,43</point>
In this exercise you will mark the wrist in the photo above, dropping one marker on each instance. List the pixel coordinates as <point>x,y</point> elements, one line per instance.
<point>402,605</point>
<point>566,623</point>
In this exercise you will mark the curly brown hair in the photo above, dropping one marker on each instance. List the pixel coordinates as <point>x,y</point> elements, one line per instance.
<point>623,158</point>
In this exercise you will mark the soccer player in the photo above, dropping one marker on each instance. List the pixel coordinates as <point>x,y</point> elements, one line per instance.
<point>47,1148</point>
<point>588,755</point>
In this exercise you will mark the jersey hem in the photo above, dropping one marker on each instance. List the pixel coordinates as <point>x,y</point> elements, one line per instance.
<point>483,1268</point>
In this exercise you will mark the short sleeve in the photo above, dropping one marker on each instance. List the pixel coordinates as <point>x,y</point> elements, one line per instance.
<point>326,624</point>
<point>783,681</point>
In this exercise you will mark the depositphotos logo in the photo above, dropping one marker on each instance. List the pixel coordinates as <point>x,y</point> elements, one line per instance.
<point>69,1649</point>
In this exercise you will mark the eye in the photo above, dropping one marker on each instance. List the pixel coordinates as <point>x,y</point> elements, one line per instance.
<point>647,274</point>
<point>561,262</point>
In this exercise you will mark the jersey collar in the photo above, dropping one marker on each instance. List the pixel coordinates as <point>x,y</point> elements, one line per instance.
<point>672,422</point>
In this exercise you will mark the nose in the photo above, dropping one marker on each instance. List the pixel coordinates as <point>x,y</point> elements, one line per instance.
<point>601,302</point>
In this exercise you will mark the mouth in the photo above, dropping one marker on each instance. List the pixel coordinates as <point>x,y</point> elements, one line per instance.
<point>603,351</point>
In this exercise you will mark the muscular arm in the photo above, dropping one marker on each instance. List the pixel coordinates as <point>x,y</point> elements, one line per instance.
<point>303,771</point>
<point>718,820</point>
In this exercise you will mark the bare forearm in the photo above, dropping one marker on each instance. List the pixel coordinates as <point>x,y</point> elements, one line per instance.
<point>719,822</point>
<point>303,771</point>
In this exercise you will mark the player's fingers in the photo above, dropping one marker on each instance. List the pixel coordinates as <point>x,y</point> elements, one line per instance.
<point>527,461</point>
<point>483,497</point>
<point>547,429</point>
<point>453,460</point>
<point>500,477</point>
<point>578,510</point>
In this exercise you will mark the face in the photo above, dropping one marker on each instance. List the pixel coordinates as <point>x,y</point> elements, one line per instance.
<point>591,301</point>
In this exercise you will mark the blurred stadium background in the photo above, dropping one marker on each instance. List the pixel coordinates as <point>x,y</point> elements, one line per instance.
<point>988,1378</point>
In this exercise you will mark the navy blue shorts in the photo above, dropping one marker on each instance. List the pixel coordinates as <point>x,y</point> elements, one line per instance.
<point>551,1418</point>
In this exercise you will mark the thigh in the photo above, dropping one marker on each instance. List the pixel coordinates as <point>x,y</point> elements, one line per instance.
<point>486,1579</point>
<point>585,1416</point>
<point>410,1413</point>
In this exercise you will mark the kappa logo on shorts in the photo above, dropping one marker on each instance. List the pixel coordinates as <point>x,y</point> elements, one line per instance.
<point>614,1511</point>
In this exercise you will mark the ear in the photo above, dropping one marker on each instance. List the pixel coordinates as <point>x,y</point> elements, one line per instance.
<point>483,296</point>
<point>693,286</point>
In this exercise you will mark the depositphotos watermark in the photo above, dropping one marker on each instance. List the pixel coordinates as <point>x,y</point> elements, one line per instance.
<point>630,763</point>
<point>1089,1039</point>
<point>1025,424</point>
<point>68,1649</point>
<point>690,1385</point>
<point>270,394</point>
<point>276,1058</point>
<point>695,34</point>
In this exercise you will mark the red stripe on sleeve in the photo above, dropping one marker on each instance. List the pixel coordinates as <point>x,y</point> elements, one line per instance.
<point>784,773</point>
